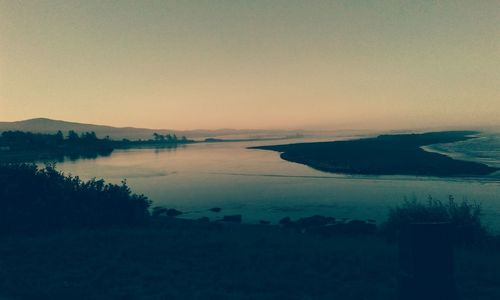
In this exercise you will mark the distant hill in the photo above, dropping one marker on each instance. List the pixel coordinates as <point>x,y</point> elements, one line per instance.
<point>44,125</point>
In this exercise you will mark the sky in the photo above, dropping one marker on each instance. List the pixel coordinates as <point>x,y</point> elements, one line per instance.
<point>252,64</point>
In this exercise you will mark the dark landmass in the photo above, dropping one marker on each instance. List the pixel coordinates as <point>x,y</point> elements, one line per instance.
<point>19,146</point>
<point>399,154</point>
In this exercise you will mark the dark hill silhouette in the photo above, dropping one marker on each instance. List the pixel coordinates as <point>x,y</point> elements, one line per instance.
<point>44,125</point>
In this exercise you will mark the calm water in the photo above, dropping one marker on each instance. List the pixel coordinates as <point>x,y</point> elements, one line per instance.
<point>259,185</point>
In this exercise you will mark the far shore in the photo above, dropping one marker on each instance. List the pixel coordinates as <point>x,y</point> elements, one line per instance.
<point>26,147</point>
<point>398,154</point>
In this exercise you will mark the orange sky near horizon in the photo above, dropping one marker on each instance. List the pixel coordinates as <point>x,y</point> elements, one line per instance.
<point>252,64</point>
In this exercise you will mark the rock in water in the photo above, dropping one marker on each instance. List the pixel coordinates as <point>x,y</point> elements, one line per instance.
<point>285,221</point>
<point>232,218</point>
<point>172,212</point>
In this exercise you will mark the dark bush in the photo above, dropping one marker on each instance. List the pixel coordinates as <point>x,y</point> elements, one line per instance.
<point>465,218</point>
<point>38,200</point>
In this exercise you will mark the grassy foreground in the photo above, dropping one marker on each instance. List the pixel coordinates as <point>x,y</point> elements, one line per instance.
<point>181,259</point>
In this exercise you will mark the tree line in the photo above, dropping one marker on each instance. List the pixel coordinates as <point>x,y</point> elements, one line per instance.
<point>28,146</point>
<point>20,140</point>
<point>169,138</point>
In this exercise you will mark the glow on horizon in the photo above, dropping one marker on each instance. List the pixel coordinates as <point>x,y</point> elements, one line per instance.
<point>252,64</point>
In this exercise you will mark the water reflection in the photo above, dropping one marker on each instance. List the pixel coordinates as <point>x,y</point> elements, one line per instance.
<point>259,185</point>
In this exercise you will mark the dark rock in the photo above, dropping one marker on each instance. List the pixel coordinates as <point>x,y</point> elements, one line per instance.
<point>356,222</point>
<point>215,209</point>
<point>232,218</point>
<point>158,211</point>
<point>264,222</point>
<point>204,219</point>
<point>328,226</point>
<point>327,230</point>
<point>358,226</point>
<point>314,221</point>
<point>172,212</point>
<point>285,221</point>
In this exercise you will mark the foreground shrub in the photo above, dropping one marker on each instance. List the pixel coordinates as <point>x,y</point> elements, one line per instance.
<point>465,218</point>
<point>37,200</point>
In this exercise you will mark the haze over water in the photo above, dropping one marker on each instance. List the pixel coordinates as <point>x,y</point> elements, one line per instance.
<point>261,186</point>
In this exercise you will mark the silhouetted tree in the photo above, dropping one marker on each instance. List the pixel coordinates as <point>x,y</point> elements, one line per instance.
<point>89,136</point>
<point>73,136</point>
<point>59,137</point>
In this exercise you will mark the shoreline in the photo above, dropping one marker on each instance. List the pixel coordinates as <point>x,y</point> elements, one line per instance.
<point>398,154</point>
